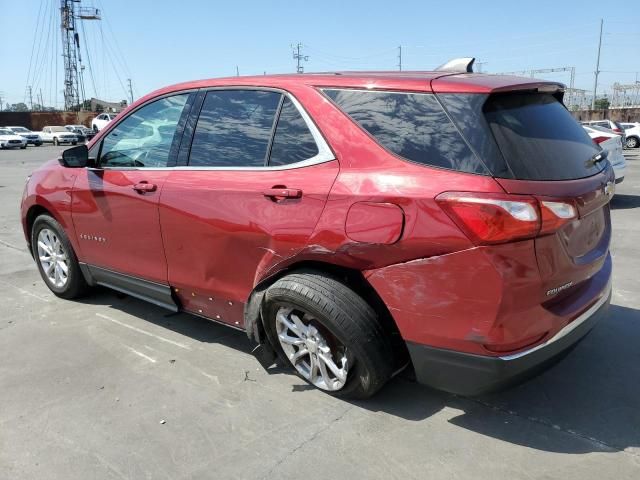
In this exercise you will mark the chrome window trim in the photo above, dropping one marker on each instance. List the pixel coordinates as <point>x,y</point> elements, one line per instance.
<point>325,154</point>
<point>571,326</point>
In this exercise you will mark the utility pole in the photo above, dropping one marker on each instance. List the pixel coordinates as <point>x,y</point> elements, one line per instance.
<point>479,66</point>
<point>73,82</point>
<point>597,72</point>
<point>400,58</point>
<point>237,71</point>
<point>299,57</point>
<point>1,101</point>
<point>41,101</point>
<point>130,90</point>
<point>30,97</point>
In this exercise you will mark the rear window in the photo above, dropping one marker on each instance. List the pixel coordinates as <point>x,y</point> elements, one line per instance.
<point>411,125</point>
<point>538,137</point>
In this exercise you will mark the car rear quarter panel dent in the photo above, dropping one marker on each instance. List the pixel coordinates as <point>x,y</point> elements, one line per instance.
<point>466,299</point>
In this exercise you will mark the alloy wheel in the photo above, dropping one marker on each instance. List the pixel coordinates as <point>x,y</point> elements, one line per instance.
<point>53,258</point>
<point>313,351</point>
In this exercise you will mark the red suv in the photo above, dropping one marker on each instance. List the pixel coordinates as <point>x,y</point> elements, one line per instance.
<point>354,223</point>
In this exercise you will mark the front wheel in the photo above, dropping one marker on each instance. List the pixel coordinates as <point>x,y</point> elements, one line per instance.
<point>23,147</point>
<point>74,143</point>
<point>56,260</point>
<point>328,334</point>
<point>632,142</point>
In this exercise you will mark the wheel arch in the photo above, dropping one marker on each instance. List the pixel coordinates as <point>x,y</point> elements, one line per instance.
<point>34,212</point>
<point>352,278</point>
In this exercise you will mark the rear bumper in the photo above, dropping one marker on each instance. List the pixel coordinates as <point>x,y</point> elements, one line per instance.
<point>470,374</point>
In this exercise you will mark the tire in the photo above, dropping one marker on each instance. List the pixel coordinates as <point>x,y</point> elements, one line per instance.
<point>75,284</point>
<point>632,142</point>
<point>37,144</point>
<point>74,143</point>
<point>343,322</point>
<point>55,141</point>
<point>23,147</point>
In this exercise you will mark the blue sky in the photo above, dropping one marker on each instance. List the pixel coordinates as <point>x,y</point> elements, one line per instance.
<point>156,43</point>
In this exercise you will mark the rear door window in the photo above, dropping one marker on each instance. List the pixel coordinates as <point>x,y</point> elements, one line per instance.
<point>411,125</point>
<point>234,128</point>
<point>292,142</point>
<point>539,138</point>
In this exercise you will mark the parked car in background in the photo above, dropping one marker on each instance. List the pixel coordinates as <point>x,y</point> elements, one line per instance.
<point>612,144</point>
<point>101,121</point>
<point>32,138</point>
<point>58,135</point>
<point>83,133</point>
<point>632,134</point>
<point>8,139</point>
<point>346,222</point>
<point>615,127</point>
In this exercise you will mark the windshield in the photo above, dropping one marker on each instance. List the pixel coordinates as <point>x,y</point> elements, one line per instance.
<point>58,129</point>
<point>5,132</point>
<point>20,129</point>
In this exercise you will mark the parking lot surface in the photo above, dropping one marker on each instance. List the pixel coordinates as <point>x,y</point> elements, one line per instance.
<point>112,387</point>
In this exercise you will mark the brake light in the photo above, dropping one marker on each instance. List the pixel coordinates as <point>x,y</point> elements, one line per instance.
<point>488,218</point>
<point>599,140</point>
<point>555,214</point>
<point>617,130</point>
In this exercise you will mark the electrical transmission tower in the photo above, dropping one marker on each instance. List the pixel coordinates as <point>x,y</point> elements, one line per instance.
<point>299,57</point>
<point>73,84</point>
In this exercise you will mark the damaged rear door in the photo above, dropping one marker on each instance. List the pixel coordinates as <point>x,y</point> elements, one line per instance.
<point>257,179</point>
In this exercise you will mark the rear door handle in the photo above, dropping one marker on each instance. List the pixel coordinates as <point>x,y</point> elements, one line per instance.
<point>145,187</point>
<point>282,192</point>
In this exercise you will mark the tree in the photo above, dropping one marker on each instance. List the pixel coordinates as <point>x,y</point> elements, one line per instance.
<point>18,107</point>
<point>602,104</point>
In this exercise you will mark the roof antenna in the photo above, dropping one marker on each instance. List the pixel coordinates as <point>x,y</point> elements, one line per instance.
<point>458,65</point>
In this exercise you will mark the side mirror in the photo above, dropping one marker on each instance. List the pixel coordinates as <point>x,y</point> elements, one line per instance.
<point>76,157</point>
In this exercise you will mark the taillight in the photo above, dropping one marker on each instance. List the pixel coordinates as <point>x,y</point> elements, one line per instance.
<point>488,218</point>
<point>554,215</point>
<point>617,130</point>
<point>599,140</point>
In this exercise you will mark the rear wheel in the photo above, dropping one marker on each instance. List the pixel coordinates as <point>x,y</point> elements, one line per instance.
<point>632,142</point>
<point>328,334</point>
<point>23,147</point>
<point>56,260</point>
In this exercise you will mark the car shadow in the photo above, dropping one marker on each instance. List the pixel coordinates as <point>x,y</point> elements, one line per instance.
<point>621,201</point>
<point>586,403</point>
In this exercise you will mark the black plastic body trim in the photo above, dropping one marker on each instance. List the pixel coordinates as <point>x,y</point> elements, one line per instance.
<point>152,292</point>
<point>469,374</point>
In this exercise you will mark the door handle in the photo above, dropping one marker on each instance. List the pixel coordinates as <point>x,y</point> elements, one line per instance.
<point>282,192</point>
<point>145,187</point>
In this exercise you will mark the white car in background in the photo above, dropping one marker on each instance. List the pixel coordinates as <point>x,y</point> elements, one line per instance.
<point>612,125</point>
<point>632,132</point>
<point>31,137</point>
<point>58,135</point>
<point>101,121</point>
<point>612,144</point>
<point>8,139</point>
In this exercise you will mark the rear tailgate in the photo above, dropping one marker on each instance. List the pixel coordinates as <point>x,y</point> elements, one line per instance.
<point>534,147</point>
<point>576,252</point>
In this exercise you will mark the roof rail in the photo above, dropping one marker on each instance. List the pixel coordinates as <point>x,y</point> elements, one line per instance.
<point>464,64</point>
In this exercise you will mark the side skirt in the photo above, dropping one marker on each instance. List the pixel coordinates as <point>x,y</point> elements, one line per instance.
<point>152,292</point>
